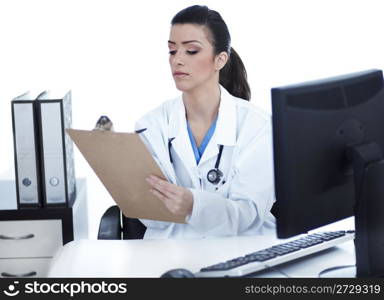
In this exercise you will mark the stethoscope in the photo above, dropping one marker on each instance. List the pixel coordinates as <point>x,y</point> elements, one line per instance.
<point>214,175</point>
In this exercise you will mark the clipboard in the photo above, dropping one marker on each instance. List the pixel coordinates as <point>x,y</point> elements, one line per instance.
<point>122,162</point>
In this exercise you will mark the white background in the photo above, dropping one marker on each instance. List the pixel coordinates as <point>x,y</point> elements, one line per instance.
<point>113,55</point>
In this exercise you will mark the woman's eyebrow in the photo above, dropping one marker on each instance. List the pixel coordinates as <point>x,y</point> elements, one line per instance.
<point>185,42</point>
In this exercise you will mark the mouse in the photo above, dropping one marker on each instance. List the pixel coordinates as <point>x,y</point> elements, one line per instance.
<point>178,273</point>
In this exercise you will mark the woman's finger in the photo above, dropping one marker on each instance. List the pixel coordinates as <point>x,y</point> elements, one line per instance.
<point>162,198</point>
<point>163,186</point>
<point>159,195</point>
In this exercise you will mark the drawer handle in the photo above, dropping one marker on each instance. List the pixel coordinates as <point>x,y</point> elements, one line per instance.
<point>30,274</point>
<point>24,237</point>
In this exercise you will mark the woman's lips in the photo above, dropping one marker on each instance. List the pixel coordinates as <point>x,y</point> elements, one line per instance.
<point>180,74</point>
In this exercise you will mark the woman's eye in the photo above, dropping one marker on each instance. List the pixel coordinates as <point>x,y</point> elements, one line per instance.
<point>192,52</point>
<point>172,52</point>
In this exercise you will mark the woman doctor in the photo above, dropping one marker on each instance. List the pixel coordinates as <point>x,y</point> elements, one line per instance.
<point>214,147</point>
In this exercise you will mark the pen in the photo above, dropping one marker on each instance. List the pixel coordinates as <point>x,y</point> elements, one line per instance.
<point>141,130</point>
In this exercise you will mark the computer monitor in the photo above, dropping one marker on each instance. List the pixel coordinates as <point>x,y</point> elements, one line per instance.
<point>327,134</point>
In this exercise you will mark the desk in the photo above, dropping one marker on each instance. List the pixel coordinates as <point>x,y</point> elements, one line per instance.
<point>151,258</point>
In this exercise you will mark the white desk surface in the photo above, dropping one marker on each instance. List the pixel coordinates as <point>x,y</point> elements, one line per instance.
<point>151,258</point>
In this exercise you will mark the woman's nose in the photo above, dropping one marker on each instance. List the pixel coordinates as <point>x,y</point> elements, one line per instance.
<point>178,60</point>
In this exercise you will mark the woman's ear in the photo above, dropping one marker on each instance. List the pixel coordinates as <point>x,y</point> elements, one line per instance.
<point>220,60</point>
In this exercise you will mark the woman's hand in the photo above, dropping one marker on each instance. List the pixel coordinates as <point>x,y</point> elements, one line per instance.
<point>177,199</point>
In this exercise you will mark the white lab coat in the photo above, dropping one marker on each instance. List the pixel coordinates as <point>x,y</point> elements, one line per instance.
<point>241,203</point>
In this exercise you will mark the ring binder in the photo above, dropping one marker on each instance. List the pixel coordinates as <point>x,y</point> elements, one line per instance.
<point>54,115</point>
<point>26,153</point>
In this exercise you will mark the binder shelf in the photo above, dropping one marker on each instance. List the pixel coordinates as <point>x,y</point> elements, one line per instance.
<point>30,237</point>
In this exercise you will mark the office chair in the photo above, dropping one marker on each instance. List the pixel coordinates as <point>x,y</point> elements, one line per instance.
<point>115,226</point>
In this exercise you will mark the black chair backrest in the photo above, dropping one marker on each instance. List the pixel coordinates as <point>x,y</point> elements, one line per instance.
<point>132,228</point>
<point>115,226</point>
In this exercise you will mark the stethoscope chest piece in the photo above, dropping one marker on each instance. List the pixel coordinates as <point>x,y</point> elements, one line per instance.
<point>214,176</point>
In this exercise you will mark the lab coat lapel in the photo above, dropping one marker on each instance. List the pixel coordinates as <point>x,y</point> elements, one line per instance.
<point>211,150</point>
<point>181,143</point>
<point>225,132</point>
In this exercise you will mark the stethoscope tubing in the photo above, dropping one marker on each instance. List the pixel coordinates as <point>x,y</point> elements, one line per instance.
<point>216,171</point>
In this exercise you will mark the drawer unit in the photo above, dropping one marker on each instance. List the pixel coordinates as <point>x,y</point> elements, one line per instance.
<point>24,267</point>
<point>37,238</point>
<point>29,238</point>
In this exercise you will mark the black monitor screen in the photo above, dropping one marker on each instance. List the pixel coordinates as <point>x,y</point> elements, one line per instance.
<point>313,125</point>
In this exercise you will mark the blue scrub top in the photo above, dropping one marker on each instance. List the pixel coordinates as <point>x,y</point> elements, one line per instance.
<point>198,151</point>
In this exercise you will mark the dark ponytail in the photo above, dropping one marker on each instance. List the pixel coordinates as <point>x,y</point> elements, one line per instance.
<point>233,75</point>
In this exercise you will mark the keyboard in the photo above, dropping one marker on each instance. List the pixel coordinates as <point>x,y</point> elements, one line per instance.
<point>275,255</point>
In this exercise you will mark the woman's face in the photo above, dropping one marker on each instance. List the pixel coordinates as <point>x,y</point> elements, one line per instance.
<point>191,56</point>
